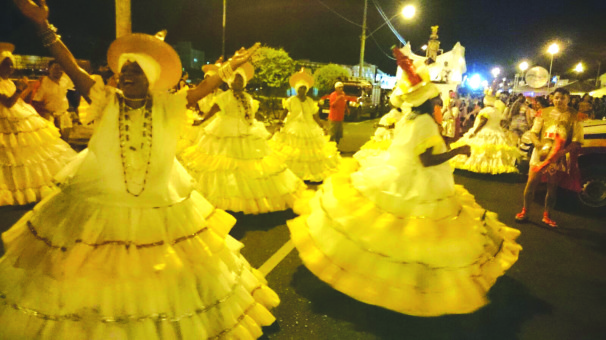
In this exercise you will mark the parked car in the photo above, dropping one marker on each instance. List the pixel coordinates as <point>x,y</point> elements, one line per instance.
<point>592,163</point>
<point>363,98</point>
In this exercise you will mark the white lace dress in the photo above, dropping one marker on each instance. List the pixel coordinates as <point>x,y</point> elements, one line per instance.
<point>126,249</point>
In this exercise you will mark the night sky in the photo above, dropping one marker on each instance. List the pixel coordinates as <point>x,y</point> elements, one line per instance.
<point>494,33</point>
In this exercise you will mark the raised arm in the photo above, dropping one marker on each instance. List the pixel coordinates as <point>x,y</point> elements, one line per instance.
<point>37,12</point>
<point>21,85</point>
<point>207,86</point>
<point>428,159</point>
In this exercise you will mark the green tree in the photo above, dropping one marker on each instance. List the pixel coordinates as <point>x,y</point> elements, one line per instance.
<point>326,76</point>
<point>273,68</point>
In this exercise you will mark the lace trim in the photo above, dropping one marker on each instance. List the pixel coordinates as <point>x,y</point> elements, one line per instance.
<point>29,131</point>
<point>390,259</point>
<point>126,244</point>
<point>156,317</point>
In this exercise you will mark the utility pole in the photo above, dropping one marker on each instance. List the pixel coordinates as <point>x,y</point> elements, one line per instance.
<point>123,18</point>
<point>597,77</point>
<point>224,21</point>
<point>363,39</point>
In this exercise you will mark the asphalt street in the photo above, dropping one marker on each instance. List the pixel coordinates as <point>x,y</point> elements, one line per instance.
<point>556,290</point>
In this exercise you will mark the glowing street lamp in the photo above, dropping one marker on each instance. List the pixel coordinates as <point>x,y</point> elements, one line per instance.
<point>408,11</point>
<point>553,49</point>
<point>523,67</point>
<point>579,68</point>
<point>495,72</point>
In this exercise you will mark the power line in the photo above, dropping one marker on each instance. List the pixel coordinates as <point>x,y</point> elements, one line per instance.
<point>388,22</point>
<point>380,49</point>
<point>337,13</point>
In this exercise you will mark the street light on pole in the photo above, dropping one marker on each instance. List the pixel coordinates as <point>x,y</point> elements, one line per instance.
<point>579,68</point>
<point>523,66</point>
<point>363,38</point>
<point>553,49</point>
<point>495,72</point>
<point>407,12</point>
<point>224,21</point>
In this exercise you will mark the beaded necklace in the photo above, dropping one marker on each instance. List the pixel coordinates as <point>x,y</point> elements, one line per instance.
<point>134,167</point>
<point>244,105</point>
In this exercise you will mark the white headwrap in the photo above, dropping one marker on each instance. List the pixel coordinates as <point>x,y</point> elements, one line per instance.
<point>149,66</point>
<point>241,72</point>
<point>7,54</point>
<point>302,83</point>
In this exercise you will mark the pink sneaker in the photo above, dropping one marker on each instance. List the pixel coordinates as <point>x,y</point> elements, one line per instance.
<point>548,221</point>
<point>522,216</point>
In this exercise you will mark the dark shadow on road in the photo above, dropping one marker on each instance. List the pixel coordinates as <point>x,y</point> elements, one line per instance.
<point>270,330</point>
<point>594,240</point>
<point>511,306</point>
<point>266,221</point>
<point>504,178</point>
<point>10,215</point>
<point>568,202</point>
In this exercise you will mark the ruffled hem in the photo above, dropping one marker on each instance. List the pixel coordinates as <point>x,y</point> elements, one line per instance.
<point>241,192</point>
<point>372,151</point>
<point>410,264</point>
<point>241,148</point>
<point>26,173</point>
<point>493,167</point>
<point>307,162</point>
<point>26,196</point>
<point>81,270</point>
<point>303,149</point>
<point>24,121</point>
<point>27,324</point>
<point>491,155</point>
<point>376,145</point>
<point>35,137</point>
<point>198,163</point>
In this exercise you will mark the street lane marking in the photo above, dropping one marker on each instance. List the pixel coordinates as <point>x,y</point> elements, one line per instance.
<point>276,258</point>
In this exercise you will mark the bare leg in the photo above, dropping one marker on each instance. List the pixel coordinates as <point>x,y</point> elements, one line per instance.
<point>552,187</point>
<point>531,185</point>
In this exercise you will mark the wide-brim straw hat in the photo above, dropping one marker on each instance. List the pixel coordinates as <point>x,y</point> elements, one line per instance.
<point>301,76</point>
<point>4,46</point>
<point>153,46</point>
<point>6,51</point>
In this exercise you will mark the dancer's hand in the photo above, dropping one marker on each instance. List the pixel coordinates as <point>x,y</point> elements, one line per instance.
<point>243,55</point>
<point>36,11</point>
<point>464,150</point>
<point>21,84</point>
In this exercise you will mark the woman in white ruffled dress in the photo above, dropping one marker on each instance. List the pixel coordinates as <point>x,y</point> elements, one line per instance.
<point>300,141</point>
<point>387,128</point>
<point>194,127</point>
<point>492,151</point>
<point>233,165</point>
<point>401,235</point>
<point>126,249</point>
<point>31,150</point>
